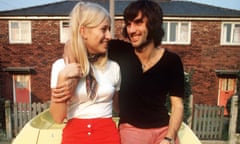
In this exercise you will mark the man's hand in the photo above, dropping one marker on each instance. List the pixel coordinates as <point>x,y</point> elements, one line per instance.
<point>64,92</point>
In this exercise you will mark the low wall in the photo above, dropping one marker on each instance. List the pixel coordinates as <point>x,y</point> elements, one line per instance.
<point>238,138</point>
<point>213,142</point>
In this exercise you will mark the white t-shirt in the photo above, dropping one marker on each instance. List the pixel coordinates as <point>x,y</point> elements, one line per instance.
<point>80,106</point>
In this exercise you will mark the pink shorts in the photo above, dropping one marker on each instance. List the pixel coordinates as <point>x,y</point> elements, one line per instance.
<point>132,135</point>
<point>90,131</point>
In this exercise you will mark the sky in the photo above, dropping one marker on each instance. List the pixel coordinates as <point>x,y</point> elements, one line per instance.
<point>232,4</point>
<point>16,4</point>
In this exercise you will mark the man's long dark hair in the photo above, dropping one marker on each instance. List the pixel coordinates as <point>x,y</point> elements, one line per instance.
<point>153,12</point>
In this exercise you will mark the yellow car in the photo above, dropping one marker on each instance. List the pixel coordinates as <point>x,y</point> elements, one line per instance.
<point>43,130</point>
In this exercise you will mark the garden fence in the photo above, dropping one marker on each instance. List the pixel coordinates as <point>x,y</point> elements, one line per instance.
<point>21,114</point>
<point>208,121</point>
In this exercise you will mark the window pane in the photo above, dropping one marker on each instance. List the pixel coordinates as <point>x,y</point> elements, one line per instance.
<point>165,28</point>
<point>24,31</point>
<point>14,25</point>
<point>65,24</point>
<point>173,31</point>
<point>224,85</point>
<point>230,84</point>
<point>236,34</point>
<point>64,36</point>
<point>22,81</point>
<point>227,32</point>
<point>14,31</point>
<point>184,32</point>
<point>15,34</point>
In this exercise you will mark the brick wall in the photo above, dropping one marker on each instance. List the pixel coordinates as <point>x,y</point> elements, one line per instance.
<point>204,55</point>
<point>43,51</point>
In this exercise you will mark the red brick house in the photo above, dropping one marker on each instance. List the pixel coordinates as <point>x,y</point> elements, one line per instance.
<point>206,37</point>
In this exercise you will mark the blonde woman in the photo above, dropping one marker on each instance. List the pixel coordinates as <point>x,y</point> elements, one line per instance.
<point>95,80</point>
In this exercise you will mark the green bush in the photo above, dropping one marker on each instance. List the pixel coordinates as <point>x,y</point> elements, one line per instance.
<point>186,100</point>
<point>2,114</point>
<point>238,93</point>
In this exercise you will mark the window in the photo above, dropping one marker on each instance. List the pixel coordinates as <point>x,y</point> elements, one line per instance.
<point>176,32</point>
<point>20,32</point>
<point>64,29</point>
<point>230,34</point>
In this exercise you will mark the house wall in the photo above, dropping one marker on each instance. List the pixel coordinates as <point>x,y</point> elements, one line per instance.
<point>203,56</point>
<point>43,51</point>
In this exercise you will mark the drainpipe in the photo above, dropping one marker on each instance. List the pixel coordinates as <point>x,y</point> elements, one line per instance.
<point>112,14</point>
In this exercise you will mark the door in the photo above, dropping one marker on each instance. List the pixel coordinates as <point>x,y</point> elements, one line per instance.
<point>21,89</point>
<point>227,88</point>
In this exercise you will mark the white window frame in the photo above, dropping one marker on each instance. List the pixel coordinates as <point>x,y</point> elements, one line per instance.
<point>23,32</point>
<point>64,31</point>
<point>234,33</point>
<point>178,31</point>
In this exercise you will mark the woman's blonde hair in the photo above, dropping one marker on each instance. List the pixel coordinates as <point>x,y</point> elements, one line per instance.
<point>89,15</point>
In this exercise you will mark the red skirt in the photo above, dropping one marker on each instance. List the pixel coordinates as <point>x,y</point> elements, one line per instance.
<point>90,131</point>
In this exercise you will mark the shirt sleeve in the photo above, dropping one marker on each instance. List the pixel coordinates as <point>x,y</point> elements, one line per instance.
<point>117,74</point>
<point>57,66</point>
<point>177,78</point>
